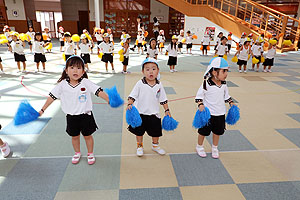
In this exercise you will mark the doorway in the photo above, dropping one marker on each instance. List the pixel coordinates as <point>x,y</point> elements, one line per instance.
<point>83,22</point>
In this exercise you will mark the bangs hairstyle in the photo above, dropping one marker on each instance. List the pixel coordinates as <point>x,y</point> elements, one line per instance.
<point>210,75</point>
<point>40,34</point>
<point>75,61</point>
<point>223,38</point>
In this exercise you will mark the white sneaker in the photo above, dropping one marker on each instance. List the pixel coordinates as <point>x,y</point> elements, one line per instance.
<point>269,71</point>
<point>113,71</point>
<point>24,71</point>
<point>240,71</point>
<point>140,151</point>
<point>245,71</point>
<point>5,150</point>
<point>1,72</point>
<point>257,70</point>
<point>171,70</point>
<point>158,150</point>
<point>215,153</point>
<point>36,71</point>
<point>265,70</point>
<point>76,158</point>
<point>175,70</point>
<point>44,71</point>
<point>201,152</point>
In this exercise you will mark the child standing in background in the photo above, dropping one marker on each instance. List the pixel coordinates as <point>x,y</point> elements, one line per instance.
<point>222,48</point>
<point>213,94</point>
<point>31,34</point>
<point>61,38</point>
<point>269,62</point>
<point>84,47</point>
<point>74,90</point>
<point>257,52</point>
<point>140,39</point>
<point>229,42</point>
<point>205,43</point>
<point>218,39</point>
<point>146,95</point>
<point>17,47</point>
<point>107,48</point>
<point>152,51</point>
<point>180,39</point>
<point>244,52</point>
<point>70,47</point>
<point>189,42</point>
<point>39,53</point>
<point>126,54</point>
<point>161,40</point>
<point>172,51</point>
<point>99,38</point>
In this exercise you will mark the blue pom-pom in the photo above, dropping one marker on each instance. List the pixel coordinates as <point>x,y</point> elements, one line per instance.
<point>233,115</point>
<point>169,123</point>
<point>114,97</point>
<point>133,117</point>
<point>25,113</point>
<point>201,118</point>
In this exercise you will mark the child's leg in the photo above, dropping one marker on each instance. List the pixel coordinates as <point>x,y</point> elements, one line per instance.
<point>240,67</point>
<point>89,140</point>
<point>76,143</point>
<point>155,146</point>
<point>214,149</point>
<point>86,66</point>
<point>269,68</point>
<point>139,140</point>
<point>19,66</point>
<point>30,47</point>
<point>38,66</point>
<point>24,65</point>
<point>253,65</point>
<point>112,66</point>
<point>205,51</point>
<point>106,66</point>
<point>257,66</point>
<point>1,142</point>
<point>200,139</point>
<point>216,139</point>
<point>44,65</point>
<point>124,68</point>
<point>1,67</point>
<point>245,67</point>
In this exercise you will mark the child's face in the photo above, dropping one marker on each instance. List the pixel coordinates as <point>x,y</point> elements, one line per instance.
<point>74,72</point>
<point>106,39</point>
<point>68,38</point>
<point>150,71</point>
<point>30,29</point>
<point>224,41</point>
<point>15,38</point>
<point>247,44</point>
<point>38,37</point>
<point>174,41</point>
<point>83,41</point>
<point>153,43</point>
<point>221,74</point>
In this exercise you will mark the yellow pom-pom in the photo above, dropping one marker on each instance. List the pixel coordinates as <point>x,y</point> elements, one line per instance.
<point>49,46</point>
<point>121,52</point>
<point>161,45</point>
<point>144,42</point>
<point>195,37</point>
<point>64,56</point>
<point>102,31</point>
<point>136,42</point>
<point>121,58</point>
<point>88,36</point>
<point>287,43</point>
<point>183,40</point>
<point>100,55</point>
<point>122,44</point>
<point>249,56</point>
<point>255,60</point>
<point>3,41</point>
<point>2,36</point>
<point>215,56</point>
<point>234,59</point>
<point>225,57</point>
<point>75,38</point>
<point>167,53</point>
<point>24,37</point>
<point>273,42</point>
<point>262,59</point>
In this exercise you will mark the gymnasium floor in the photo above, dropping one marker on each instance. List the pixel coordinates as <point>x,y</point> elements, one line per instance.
<point>259,159</point>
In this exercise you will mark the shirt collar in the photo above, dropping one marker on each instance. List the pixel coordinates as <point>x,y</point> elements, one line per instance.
<point>145,81</point>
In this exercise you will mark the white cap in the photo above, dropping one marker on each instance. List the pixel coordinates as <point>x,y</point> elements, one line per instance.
<point>217,63</point>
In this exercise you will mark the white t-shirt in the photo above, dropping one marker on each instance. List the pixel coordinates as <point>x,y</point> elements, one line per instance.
<point>189,39</point>
<point>214,98</point>
<point>256,50</point>
<point>17,47</point>
<point>84,48</point>
<point>38,47</point>
<point>147,98</point>
<point>229,41</point>
<point>173,51</point>
<point>75,100</point>
<point>70,48</point>
<point>244,52</point>
<point>161,38</point>
<point>180,38</point>
<point>111,37</point>
<point>271,53</point>
<point>7,36</point>
<point>205,40</point>
<point>221,49</point>
<point>98,37</point>
<point>218,40</point>
<point>61,36</point>
<point>152,52</point>
<point>106,47</point>
<point>242,40</point>
<point>127,52</point>
<point>140,38</point>
<point>31,34</point>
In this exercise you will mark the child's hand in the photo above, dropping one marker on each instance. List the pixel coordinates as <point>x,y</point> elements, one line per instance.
<point>201,107</point>
<point>232,104</point>
<point>41,113</point>
<point>167,112</point>
<point>129,107</point>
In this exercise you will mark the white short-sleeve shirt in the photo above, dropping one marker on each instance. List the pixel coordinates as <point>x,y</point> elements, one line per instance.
<point>148,98</point>
<point>244,52</point>
<point>98,37</point>
<point>106,47</point>
<point>161,38</point>
<point>256,50</point>
<point>38,47</point>
<point>205,40</point>
<point>140,38</point>
<point>152,52</point>
<point>84,48</point>
<point>31,34</point>
<point>189,39</point>
<point>127,52</point>
<point>271,53</point>
<point>173,51</point>
<point>17,47</point>
<point>75,100</point>
<point>215,97</point>
<point>221,49</point>
<point>70,48</point>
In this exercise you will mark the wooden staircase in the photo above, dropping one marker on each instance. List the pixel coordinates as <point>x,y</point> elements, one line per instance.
<point>239,16</point>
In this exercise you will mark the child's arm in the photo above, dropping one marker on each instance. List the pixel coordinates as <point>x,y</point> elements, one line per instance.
<point>48,102</point>
<point>199,98</point>
<point>129,103</point>
<point>167,110</point>
<point>104,96</point>
<point>23,43</point>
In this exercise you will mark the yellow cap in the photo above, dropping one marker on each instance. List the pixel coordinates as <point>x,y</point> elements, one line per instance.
<point>174,37</point>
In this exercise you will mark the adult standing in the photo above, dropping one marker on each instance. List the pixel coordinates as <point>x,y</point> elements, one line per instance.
<point>155,27</point>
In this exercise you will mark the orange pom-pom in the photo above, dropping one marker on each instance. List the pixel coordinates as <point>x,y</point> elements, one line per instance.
<point>229,38</point>
<point>268,35</point>
<point>281,34</point>
<point>45,36</point>
<point>208,48</point>
<point>146,33</point>
<point>266,44</point>
<point>195,37</point>
<point>201,48</point>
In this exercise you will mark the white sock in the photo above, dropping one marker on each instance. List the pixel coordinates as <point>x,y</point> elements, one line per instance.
<point>214,147</point>
<point>155,145</point>
<point>200,146</point>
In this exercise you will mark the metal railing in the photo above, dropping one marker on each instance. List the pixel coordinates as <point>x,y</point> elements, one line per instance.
<point>257,17</point>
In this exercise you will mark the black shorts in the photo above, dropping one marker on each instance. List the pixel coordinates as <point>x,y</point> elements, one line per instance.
<point>99,42</point>
<point>258,58</point>
<point>215,47</point>
<point>84,124</point>
<point>19,58</point>
<point>269,62</point>
<point>229,47</point>
<point>39,57</point>
<point>125,62</point>
<point>216,125</point>
<point>242,62</point>
<point>68,56</point>
<point>86,58</point>
<point>205,47</point>
<point>62,43</point>
<point>107,57</point>
<point>189,46</point>
<point>150,124</point>
<point>0,59</point>
<point>172,60</point>
<point>140,45</point>
<point>180,45</point>
<point>29,43</point>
